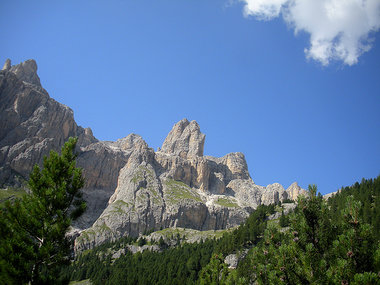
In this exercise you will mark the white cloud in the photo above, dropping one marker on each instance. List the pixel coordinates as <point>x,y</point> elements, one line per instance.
<point>263,9</point>
<point>339,29</point>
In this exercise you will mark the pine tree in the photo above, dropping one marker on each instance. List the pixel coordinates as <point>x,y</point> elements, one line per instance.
<point>284,220</point>
<point>215,272</point>
<point>141,242</point>
<point>316,250</point>
<point>33,243</point>
<point>355,250</point>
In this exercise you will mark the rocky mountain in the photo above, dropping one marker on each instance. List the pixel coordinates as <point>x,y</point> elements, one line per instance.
<point>129,188</point>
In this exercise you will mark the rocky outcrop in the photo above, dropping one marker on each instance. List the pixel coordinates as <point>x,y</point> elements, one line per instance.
<point>25,71</point>
<point>31,122</point>
<point>232,261</point>
<point>329,195</point>
<point>273,193</point>
<point>294,191</point>
<point>7,65</point>
<point>129,187</point>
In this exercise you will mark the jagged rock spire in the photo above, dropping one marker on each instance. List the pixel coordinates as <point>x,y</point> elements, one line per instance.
<point>26,71</point>
<point>185,139</point>
<point>295,190</point>
<point>7,64</point>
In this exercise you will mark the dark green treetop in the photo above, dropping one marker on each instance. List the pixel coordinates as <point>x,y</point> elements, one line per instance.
<point>317,250</point>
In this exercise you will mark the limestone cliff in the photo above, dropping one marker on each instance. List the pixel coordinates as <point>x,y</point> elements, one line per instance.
<point>129,187</point>
<point>179,187</point>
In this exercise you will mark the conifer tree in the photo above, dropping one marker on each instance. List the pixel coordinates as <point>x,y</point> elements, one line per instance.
<point>356,251</point>
<point>215,272</point>
<point>33,242</point>
<point>284,220</point>
<point>316,250</point>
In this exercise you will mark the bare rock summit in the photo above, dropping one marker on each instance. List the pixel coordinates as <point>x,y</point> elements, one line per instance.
<point>185,139</point>
<point>294,191</point>
<point>7,64</point>
<point>26,71</point>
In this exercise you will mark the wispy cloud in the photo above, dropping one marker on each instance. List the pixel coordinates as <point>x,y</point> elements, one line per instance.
<point>339,29</point>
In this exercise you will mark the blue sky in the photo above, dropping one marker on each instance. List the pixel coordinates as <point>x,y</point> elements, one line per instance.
<point>251,83</point>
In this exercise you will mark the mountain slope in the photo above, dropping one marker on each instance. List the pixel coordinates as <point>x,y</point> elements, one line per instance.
<point>129,188</point>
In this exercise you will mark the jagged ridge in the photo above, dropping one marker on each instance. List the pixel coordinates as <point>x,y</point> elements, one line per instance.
<point>129,188</point>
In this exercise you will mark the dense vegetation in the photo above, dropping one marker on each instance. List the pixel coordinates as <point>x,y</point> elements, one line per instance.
<point>324,244</point>
<point>33,245</point>
<point>368,193</point>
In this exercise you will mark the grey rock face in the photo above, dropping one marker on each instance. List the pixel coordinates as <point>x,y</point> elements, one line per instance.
<point>294,191</point>
<point>26,71</point>
<point>185,139</point>
<point>170,188</point>
<point>7,64</point>
<point>232,261</point>
<point>273,194</point>
<point>129,188</point>
<point>329,195</point>
<point>32,124</point>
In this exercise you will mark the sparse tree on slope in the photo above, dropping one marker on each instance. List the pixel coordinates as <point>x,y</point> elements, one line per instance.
<point>33,242</point>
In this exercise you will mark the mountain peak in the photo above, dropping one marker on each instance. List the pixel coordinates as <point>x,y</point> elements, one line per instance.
<point>294,190</point>
<point>7,64</point>
<point>25,71</point>
<point>185,139</point>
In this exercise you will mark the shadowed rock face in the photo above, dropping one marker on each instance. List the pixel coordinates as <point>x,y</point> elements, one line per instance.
<point>129,187</point>
<point>32,124</point>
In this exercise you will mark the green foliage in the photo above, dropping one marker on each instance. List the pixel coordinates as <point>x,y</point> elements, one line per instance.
<point>284,220</point>
<point>141,242</point>
<point>368,193</point>
<point>177,191</point>
<point>316,250</point>
<point>179,265</point>
<point>227,202</point>
<point>162,244</point>
<point>33,243</point>
<point>10,194</point>
<point>83,282</point>
<point>354,248</point>
<point>247,234</point>
<point>191,234</point>
<point>215,272</point>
